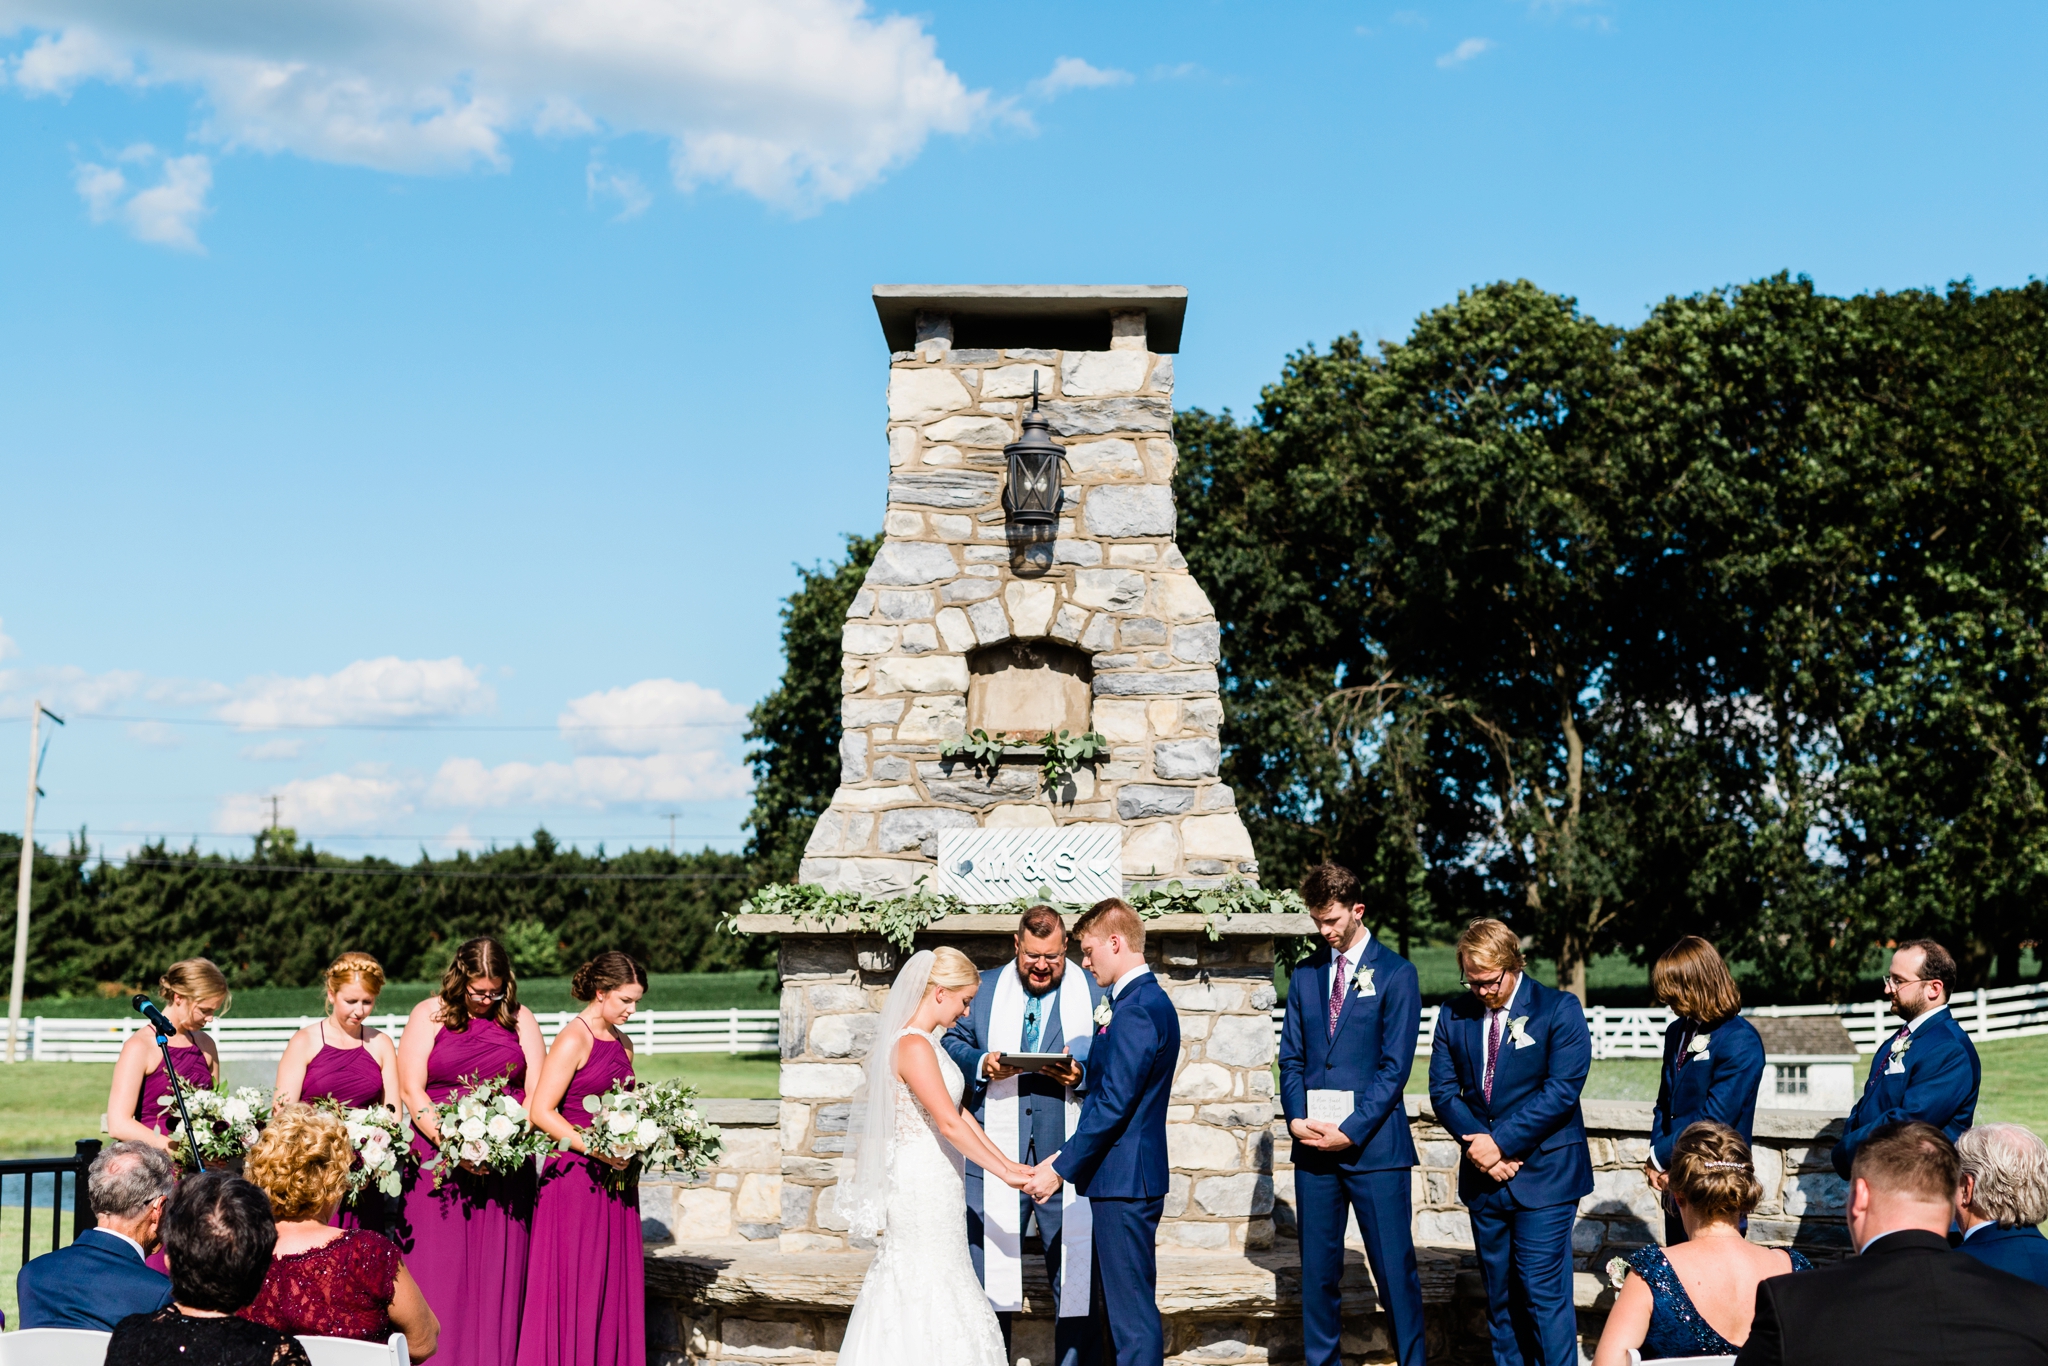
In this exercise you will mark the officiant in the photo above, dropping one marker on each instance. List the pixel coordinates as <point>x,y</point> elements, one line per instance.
<point>1035,1005</point>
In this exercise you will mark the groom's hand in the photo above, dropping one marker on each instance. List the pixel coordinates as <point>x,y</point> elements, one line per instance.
<point>1044,1182</point>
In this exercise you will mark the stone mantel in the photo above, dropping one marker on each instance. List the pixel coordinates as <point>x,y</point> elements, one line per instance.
<point>1263,925</point>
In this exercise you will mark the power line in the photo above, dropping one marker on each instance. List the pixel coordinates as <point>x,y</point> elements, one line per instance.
<point>357,870</point>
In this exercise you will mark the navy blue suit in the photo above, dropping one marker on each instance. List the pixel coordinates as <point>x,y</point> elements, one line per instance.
<point>1116,1157</point>
<point>1041,1123</point>
<point>1369,1054</point>
<point>1719,1084</point>
<point>1523,1227</point>
<point>94,1283</point>
<point>1938,1086</point>
<point>2018,1251</point>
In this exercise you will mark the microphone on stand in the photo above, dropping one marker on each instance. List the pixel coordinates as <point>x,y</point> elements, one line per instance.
<point>165,1032</point>
<point>157,1021</point>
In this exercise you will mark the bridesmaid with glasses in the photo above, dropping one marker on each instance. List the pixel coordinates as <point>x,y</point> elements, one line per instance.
<point>194,991</point>
<point>341,1059</point>
<point>585,1286</point>
<point>467,1241</point>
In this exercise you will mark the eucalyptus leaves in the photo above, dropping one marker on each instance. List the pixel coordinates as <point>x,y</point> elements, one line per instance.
<point>899,918</point>
<point>1063,752</point>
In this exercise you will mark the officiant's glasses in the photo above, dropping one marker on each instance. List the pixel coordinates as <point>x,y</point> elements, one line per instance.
<point>1044,960</point>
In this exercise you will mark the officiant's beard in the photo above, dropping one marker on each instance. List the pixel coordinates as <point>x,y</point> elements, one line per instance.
<point>1054,972</point>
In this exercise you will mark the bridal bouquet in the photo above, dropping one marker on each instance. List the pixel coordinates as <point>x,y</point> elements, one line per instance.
<point>655,1128</point>
<point>485,1129</point>
<point>378,1141</point>
<point>225,1123</point>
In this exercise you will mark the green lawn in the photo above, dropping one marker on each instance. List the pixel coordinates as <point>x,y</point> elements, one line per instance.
<point>665,991</point>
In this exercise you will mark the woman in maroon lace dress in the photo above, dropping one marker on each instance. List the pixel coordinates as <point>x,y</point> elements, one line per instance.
<point>341,1059</point>
<point>586,1284</point>
<point>194,992</point>
<point>323,1280</point>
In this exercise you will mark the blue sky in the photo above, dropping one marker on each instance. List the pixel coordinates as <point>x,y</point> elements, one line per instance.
<point>419,421</point>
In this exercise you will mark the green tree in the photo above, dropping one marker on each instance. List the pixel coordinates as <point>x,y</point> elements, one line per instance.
<point>796,728</point>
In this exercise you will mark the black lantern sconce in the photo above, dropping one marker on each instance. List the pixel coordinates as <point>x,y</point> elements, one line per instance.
<point>1032,494</point>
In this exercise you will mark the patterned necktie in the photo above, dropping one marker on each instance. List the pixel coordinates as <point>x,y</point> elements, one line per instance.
<point>1336,993</point>
<point>1492,1049</point>
<point>1030,1044</point>
<point>1684,1047</point>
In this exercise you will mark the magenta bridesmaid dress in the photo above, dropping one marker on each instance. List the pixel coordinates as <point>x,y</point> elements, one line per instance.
<point>350,1077</point>
<point>585,1289</point>
<point>193,1074</point>
<point>466,1243</point>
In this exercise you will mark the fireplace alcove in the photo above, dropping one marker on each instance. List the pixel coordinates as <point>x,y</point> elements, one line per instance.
<point>1028,688</point>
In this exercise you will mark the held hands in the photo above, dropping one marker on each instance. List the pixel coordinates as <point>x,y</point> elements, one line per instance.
<point>1657,1180</point>
<point>1042,1183</point>
<point>1327,1137</point>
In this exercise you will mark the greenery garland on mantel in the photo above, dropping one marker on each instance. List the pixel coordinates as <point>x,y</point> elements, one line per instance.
<point>1060,752</point>
<point>899,918</point>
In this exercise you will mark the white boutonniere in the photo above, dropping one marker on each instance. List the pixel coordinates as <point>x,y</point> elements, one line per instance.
<point>1899,1048</point>
<point>1103,1013</point>
<point>1518,1030</point>
<point>1361,982</point>
<point>1697,1049</point>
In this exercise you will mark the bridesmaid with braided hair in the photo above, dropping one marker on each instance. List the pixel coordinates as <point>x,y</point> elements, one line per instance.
<point>585,1291</point>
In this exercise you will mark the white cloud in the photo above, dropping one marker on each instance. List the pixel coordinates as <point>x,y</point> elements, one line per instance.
<point>659,740</point>
<point>68,689</point>
<point>656,715</point>
<point>797,102</point>
<point>369,690</point>
<point>8,649</point>
<point>167,212</point>
<point>1072,73</point>
<point>335,801</point>
<point>601,182</point>
<point>154,734</point>
<point>283,748</point>
<point>1465,52</point>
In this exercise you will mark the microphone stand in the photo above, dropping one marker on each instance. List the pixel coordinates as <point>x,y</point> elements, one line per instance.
<point>177,1093</point>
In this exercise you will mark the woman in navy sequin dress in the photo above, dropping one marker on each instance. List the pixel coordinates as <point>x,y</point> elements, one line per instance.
<point>1698,1298</point>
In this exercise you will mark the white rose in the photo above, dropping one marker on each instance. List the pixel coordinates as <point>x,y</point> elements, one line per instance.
<point>235,1111</point>
<point>472,1129</point>
<point>502,1128</point>
<point>511,1107</point>
<point>646,1133</point>
<point>472,1152</point>
<point>619,1123</point>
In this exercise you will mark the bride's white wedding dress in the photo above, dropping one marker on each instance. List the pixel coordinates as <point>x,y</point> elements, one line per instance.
<point>920,1304</point>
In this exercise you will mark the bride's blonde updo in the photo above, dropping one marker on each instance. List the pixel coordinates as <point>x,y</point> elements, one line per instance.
<point>951,969</point>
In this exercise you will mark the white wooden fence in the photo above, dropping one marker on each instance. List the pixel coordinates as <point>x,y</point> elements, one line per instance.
<point>653,1031</point>
<point>1993,1013</point>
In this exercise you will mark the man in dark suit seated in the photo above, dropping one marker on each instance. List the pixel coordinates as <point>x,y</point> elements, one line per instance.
<point>2003,1196</point>
<point>100,1279</point>
<point>1904,1296</point>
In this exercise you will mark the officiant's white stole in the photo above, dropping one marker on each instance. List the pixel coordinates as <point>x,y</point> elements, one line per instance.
<point>1002,1220</point>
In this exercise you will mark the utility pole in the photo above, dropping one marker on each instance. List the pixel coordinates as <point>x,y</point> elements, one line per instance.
<point>27,879</point>
<point>272,799</point>
<point>671,832</point>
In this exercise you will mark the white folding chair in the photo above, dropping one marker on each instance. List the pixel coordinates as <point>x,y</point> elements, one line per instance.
<point>349,1352</point>
<point>54,1347</point>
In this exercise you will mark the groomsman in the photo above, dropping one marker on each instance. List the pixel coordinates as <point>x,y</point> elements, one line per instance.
<point>1928,1071</point>
<point>1039,1003</point>
<point>1505,1072</point>
<point>1348,1044</point>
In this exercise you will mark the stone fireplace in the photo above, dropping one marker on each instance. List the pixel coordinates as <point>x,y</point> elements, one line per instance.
<point>968,620</point>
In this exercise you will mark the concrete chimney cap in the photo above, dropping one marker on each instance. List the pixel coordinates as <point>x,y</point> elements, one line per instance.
<point>1064,317</point>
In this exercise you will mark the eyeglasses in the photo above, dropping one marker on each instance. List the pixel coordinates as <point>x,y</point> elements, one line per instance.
<point>1483,983</point>
<point>1894,983</point>
<point>492,997</point>
<point>1044,960</point>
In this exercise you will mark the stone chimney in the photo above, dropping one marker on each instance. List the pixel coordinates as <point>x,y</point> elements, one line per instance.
<point>969,620</point>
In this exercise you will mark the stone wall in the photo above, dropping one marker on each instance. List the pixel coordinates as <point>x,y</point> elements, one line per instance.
<point>1218,1143</point>
<point>954,576</point>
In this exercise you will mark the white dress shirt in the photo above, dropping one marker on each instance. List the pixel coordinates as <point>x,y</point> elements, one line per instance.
<point>1343,966</point>
<point>140,1255</point>
<point>1913,1025</point>
<point>1133,975</point>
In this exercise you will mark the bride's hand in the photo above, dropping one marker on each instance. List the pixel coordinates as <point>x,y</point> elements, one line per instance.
<point>1017,1175</point>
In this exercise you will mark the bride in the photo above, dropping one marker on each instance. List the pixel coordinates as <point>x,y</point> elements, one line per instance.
<point>920,1304</point>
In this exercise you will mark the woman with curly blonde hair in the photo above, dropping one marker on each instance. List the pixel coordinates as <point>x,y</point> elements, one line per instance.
<point>334,1282</point>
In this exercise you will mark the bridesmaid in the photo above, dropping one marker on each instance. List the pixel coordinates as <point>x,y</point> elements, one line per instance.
<point>585,1293</point>
<point>343,1060</point>
<point>467,1242</point>
<point>194,992</point>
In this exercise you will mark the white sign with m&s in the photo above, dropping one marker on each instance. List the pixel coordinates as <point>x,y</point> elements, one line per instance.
<point>1074,863</point>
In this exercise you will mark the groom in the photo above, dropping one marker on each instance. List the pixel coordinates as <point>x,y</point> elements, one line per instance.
<point>1034,1005</point>
<point>1117,1154</point>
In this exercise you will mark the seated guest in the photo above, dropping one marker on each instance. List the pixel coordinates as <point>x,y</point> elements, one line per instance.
<point>1904,1296</point>
<point>100,1279</point>
<point>1696,1299</point>
<point>2003,1196</point>
<point>323,1280</point>
<point>218,1233</point>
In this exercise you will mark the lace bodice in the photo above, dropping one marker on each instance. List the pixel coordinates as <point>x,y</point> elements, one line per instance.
<point>913,1121</point>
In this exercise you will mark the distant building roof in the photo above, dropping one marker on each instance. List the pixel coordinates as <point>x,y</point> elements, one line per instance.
<point>1804,1035</point>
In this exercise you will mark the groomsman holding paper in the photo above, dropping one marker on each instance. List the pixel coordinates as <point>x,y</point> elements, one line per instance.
<point>1039,1005</point>
<point>1348,1043</point>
